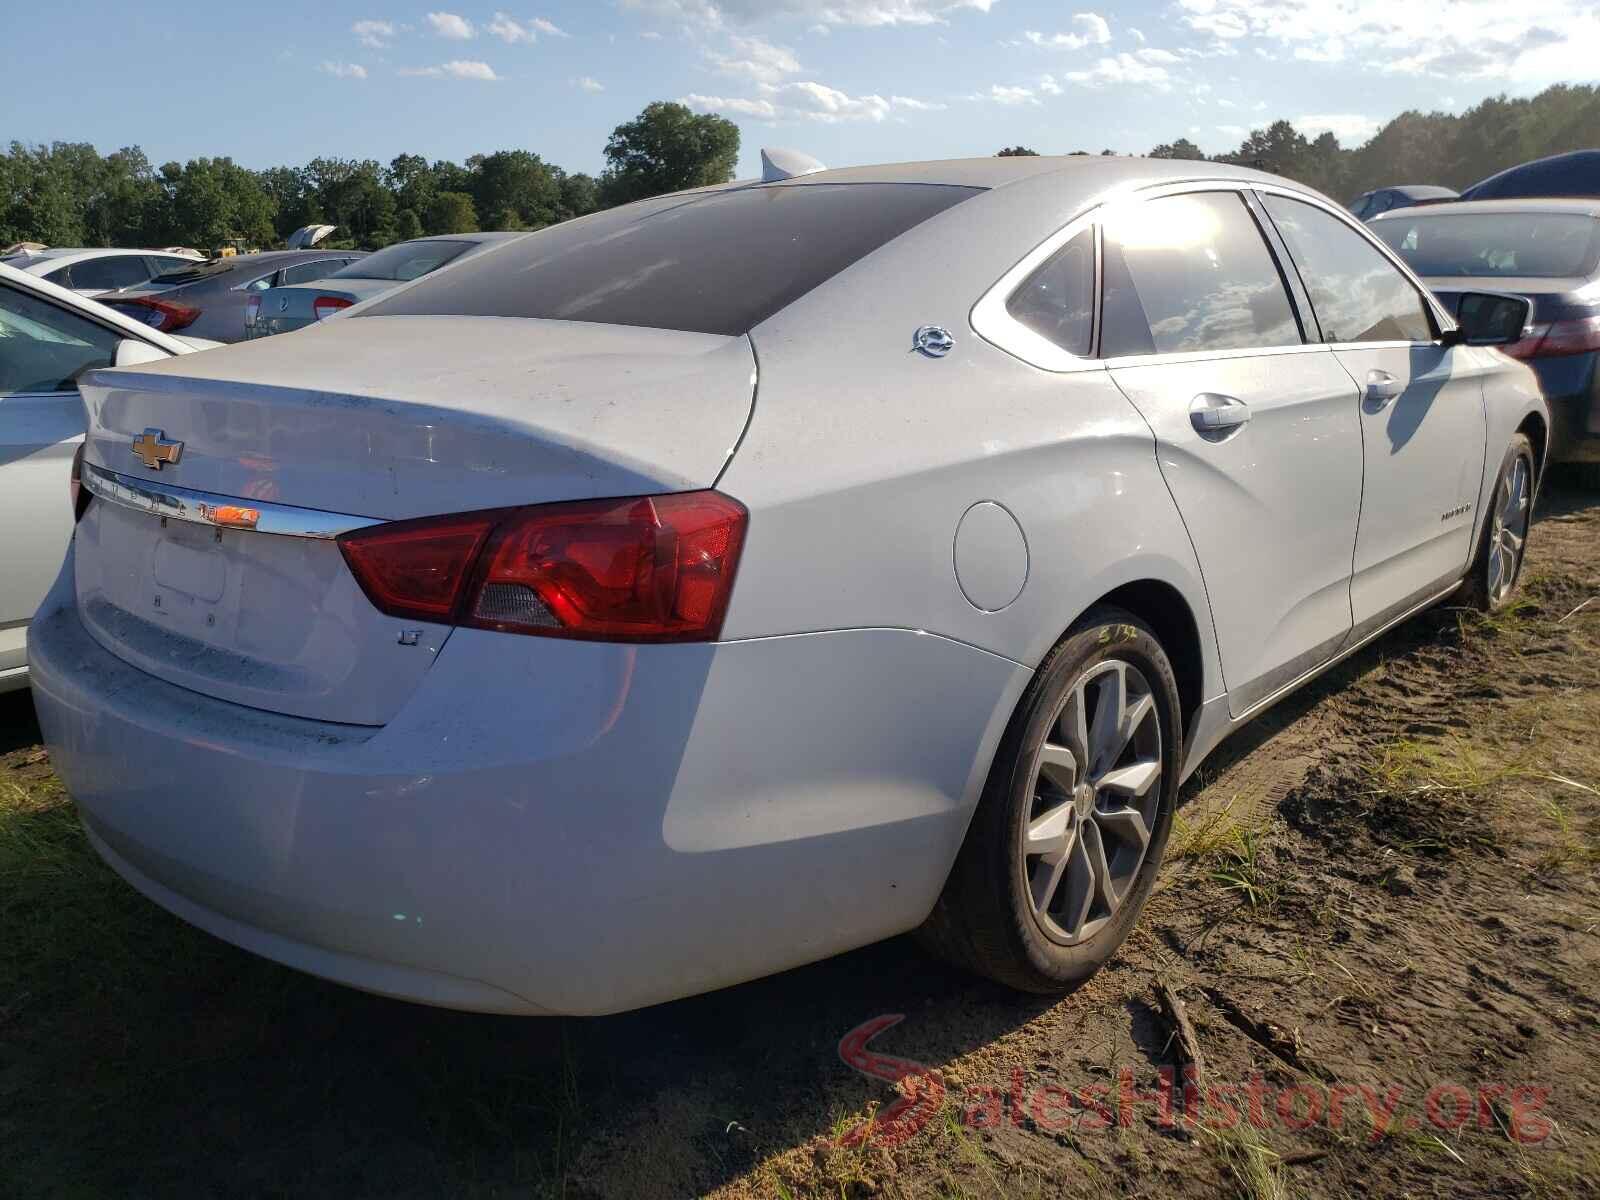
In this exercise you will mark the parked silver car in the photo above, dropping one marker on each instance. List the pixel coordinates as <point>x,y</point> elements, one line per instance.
<point>293,305</point>
<point>49,336</point>
<point>210,299</point>
<point>712,584</point>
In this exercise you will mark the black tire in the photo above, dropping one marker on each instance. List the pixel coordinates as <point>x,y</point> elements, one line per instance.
<point>1482,589</point>
<point>985,919</point>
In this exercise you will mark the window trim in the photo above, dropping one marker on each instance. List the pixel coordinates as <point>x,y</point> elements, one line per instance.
<point>991,321</point>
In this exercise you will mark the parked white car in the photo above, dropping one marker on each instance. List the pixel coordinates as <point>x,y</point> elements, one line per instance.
<point>100,272</point>
<point>48,337</point>
<point>716,583</point>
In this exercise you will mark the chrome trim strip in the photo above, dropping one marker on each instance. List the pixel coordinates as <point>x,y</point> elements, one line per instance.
<point>990,319</point>
<point>207,508</point>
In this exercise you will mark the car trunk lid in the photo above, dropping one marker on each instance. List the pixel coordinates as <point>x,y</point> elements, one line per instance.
<point>357,421</point>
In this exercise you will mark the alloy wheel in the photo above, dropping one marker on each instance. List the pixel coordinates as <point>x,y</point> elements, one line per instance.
<point>1509,531</point>
<point>1096,789</point>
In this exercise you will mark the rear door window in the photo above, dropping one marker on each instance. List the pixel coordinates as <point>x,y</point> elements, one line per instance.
<point>111,272</point>
<point>717,262</point>
<point>1358,294</point>
<point>1191,273</point>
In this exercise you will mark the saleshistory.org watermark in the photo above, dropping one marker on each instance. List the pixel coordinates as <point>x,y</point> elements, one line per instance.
<point>1179,1099</point>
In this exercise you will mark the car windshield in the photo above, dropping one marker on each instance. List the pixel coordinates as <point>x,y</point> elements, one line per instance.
<point>718,262</point>
<point>408,260</point>
<point>1536,245</point>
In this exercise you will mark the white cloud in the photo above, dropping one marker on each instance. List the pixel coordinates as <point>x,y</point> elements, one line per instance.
<point>1233,131</point>
<point>544,26</point>
<point>764,109</point>
<point>1001,94</point>
<point>344,70</point>
<point>1092,31</point>
<point>588,83</point>
<point>1048,86</point>
<point>1116,69</point>
<point>1532,43</point>
<point>755,58</point>
<point>449,25</point>
<point>1136,35</point>
<point>650,35</point>
<point>711,14</point>
<point>456,69</point>
<point>810,101</point>
<point>375,35</point>
<point>1350,128</point>
<point>509,30</point>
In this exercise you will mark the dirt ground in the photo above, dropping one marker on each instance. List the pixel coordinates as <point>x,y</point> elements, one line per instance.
<point>1381,915</point>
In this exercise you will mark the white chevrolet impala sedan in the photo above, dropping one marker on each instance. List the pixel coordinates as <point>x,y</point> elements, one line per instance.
<point>717,583</point>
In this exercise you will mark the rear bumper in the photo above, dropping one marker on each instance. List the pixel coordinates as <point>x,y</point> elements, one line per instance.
<point>1572,389</point>
<point>546,826</point>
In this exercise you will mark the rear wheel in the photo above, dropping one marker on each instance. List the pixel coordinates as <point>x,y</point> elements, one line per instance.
<point>1498,565</point>
<point>1069,835</point>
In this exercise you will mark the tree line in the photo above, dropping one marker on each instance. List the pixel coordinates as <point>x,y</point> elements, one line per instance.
<point>1455,150</point>
<point>68,194</point>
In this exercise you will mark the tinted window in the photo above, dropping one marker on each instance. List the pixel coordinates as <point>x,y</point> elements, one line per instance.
<point>1057,300</point>
<point>406,260</point>
<point>167,262</point>
<point>306,271</point>
<point>1357,293</point>
<point>1544,245</point>
<point>192,272</point>
<point>116,271</point>
<point>1191,273</point>
<point>716,263</point>
<point>44,348</point>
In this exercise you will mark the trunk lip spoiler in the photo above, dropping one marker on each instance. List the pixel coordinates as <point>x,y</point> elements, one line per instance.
<point>220,512</point>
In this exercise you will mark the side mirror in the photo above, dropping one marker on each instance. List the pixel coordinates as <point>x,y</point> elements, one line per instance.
<point>1491,318</point>
<point>131,352</point>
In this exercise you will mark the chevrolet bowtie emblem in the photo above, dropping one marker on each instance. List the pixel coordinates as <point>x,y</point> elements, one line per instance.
<point>153,449</point>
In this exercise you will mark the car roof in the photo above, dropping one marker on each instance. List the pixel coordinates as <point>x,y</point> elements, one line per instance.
<point>57,255</point>
<point>1095,172</point>
<point>1417,191</point>
<point>1587,208</point>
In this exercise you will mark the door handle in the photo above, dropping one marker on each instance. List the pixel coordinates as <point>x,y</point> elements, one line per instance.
<point>1382,387</point>
<point>1214,413</point>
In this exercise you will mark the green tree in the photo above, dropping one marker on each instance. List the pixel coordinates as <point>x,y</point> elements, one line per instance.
<point>580,196</point>
<point>667,148</point>
<point>451,212</point>
<point>1182,148</point>
<point>1017,152</point>
<point>407,225</point>
<point>214,201</point>
<point>515,183</point>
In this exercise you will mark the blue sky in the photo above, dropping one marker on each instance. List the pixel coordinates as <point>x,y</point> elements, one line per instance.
<point>849,81</point>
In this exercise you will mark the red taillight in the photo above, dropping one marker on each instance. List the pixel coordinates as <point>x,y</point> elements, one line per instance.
<point>80,494</point>
<point>643,569</point>
<point>323,306</point>
<point>1557,339</point>
<point>162,315</point>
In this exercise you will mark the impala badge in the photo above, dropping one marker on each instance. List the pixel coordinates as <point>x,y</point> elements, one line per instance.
<point>933,340</point>
<point>153,449</point>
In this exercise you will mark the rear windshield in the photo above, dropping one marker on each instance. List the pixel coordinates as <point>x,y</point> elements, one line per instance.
<point>717,263</point>
<point>1538,245</point>
<point>204,270</point>
<point>407,260</point>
